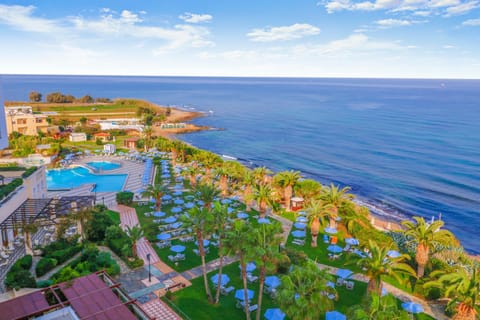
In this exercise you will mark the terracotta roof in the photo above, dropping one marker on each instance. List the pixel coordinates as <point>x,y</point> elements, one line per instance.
<point>102,134</point>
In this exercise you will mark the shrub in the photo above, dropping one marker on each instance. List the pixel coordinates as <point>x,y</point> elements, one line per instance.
<point>96,227</point>
<point>125,197</point>
<point>135,263</point>
<point>44,283</point>
<point>25,262</point>
<point>19,274</point>
<point>45,265</point>
<point>29,172</point>
<point>6,189</point>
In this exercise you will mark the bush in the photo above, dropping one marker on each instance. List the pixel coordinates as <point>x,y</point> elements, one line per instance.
<point>45,265</point>
<point>6,189</point>
<point>25,262</point>
<point>125,197</point>
<point>29,172</point>
<point>19,274</point>
<point>44,283</point>
<point>136,263</point>
<point>96,227</point>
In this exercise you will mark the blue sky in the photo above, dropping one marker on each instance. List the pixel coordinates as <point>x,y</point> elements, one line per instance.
<point>302,38</point>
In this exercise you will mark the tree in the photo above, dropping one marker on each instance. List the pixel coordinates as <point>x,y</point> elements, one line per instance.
<point>426,237</point>
<point>335,196</point>
<point>83,121</point>
<point>463,288</point>
<point>86,99</point>
<point>264,196</point>
<point>304,292</point>
<point>29,228</point>
<point>135,233</point>
<point>227,170</point>
<point>35,96</point>
<point>209,161</point>
<point>287,180</point>
<point>82,216</point>
<point>156,192</point>
<point>376,307</point>
<point>238,242</point>
<point>191,172</point>
<point>206,193</point>
<point>317,213</point>
<point>266,253</point>
<point>377,264</point>
<point>201,220</point>
<point>249,182</point>
<point>147,136</point>
<point>261,174</point>
<point>308,189</point>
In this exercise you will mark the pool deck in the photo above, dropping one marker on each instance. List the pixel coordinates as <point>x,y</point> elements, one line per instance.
<point>134,169</point>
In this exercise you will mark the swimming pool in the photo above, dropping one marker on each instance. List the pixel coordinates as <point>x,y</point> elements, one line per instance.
<point>75,177</point>
<point>103,165</point>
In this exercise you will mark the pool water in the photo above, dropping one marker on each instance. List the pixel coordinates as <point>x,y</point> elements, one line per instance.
<point>103,165</point>
<point>75,177</point>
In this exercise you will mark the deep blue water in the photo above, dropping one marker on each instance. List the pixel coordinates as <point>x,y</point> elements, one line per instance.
<point>407,147</point>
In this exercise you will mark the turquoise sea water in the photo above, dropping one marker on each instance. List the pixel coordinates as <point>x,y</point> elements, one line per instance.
<point>103,165</point>
<point>407,147</point>
<point>75,177</point>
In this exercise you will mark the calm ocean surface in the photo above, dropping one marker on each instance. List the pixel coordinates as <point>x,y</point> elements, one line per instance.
<point>404,146</point>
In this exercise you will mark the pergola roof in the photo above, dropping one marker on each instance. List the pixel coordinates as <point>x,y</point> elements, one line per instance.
<point>23,306</point>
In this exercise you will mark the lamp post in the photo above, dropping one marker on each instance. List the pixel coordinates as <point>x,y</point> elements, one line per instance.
<point>149,274</point>
<point>103,200</point>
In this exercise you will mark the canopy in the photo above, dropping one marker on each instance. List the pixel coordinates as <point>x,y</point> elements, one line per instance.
<point>159,214</point>
<point>352,241</point>
<point>226,201</point>
<point>299,234</point>
<point>302,219</point>
<point>250,267</point>
<point>206,243</point>
<point>176,225</point>
<point>189,205</point>
<point>331,230</point>
<point>163,236</point>
<point>178,201</point>
<point>412,307</point>
<point>272,281</point>
<point>242,215</point>
<point>176,210</point>
<point>296,199</point>
<point>177,248</point>
<point>225,279</point>
<point>393,254</point>
<point>274,314</point>
<point>263,221</point>
<point>344,273</point>
<point>239,294</point>
<point>300,225</point>
<point>334,248</point>
<point>170,219</point>
<point>335,315</point>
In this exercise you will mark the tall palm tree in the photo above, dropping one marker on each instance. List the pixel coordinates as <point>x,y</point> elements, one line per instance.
<point>304,292</point>
<point>287,180</point>
<point>82,217</point>
<point>335,196</point>
<point>201,221</point>
<point>238,242</point>
<point>262,174</point>
<point>426,237</point>
<point>209,161</point>
<point>308,189</point>
<point>463,288</point>
<point>147,136</point>
<point>376,307</point>
<point>191,173</point>
<point>318,212</point>
<point>135,233</point>
<point>225,171</point>
<point>156,192</point>
<point>220,223</point>
<point>249,182</point>
<point>264,196</point>
<point>377,264</point>
<point>206,193</point>
<point>29,228</point>
<point>267,254</point>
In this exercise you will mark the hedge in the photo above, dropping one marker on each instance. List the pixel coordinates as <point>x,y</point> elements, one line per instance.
<point>29,172</point>
<point>19,275</point>
<point>45,265</point>
<point>12,168</point>
<point>6,189</point>
<point>124,197</point>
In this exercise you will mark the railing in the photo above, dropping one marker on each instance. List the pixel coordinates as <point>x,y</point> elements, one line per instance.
<point>176,308</point>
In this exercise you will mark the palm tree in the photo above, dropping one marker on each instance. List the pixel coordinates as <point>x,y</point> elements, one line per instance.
<point>308,189</point>
<point>29,229</point>
<point>426,237</point>
<point>201,220</point>
<point>248,181</point>
<point>135,233</point>
<point>264,196</point>
<point>156,192</point>
<point>191,172</point>
<point>317,213</point>
<point>267,254</point>
<point>304,292</point>
<point>220,223</point>
<point>209,161</point>
<point>225,171</point>
<point>287,180</point>
<point>82,216</point>
<point>335,196</point>
<point>376,307</point>
<point>463,288</point>
<point>262,174</point>
<point>207,193</point>
<point>175,146</point>
<point>377,264</point>
<point>238,242</point>
<point>147,135</point>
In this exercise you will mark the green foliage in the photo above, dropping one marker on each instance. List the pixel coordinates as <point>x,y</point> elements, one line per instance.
<point>45,265</point>
<point>124,197</point>
<point>98,142</point>
<point>35,96</point>
<point>25,262</point>
<point>97,225</point>
<point>44,283</point>
<point>65,274</point>
<point>19,275</point>
<point>11,167</point>
<point>6,189</point>
<point>29,172</point>
<point>62,249</point>
<point>58,97</point>
<point>135,263</point>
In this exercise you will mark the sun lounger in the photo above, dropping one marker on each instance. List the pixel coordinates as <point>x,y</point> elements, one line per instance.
<point>251,278</point>
<point>299,242</point>
<point>340,282</point>
<point>226,291</point>
<point>349,285</point>
<point>252,308</point>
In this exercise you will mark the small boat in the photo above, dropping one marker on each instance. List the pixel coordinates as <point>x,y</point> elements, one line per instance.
<point>228,157</point>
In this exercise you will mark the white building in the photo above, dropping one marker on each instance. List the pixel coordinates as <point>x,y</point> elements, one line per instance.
<point>3,127</point>
<point>78,137</point>
<point>109,148</point>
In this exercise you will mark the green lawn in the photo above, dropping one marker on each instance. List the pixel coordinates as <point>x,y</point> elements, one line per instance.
<point>114,215</point>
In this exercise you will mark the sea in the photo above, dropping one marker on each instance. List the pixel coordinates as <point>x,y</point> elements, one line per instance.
<point>405,146</point>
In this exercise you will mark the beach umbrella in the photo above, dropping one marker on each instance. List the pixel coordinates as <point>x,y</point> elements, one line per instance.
<point>170,219</point>
<point>239,294</point>
<point>334,248</point>
<point>167,197</point>
<point>178,187</point>
<point>165,176</point>
<point>176,225</point>
<point>176,210</point>
<point>302,213</point>
<point>393,254</point>
<point>412,307</point>
<point>206,242</point>
<point>263,221</point>
<point>300,225</point>
<point>229,210</point>
<point>178,201</point>
<point>335,315</point>
<point>344,273</point>
<point>163,236</point>
<point>159,214</point>
<point>299,234</point>
<point>330,284</point>
<point>189,205</point>
<point>177,248</point>
<point>302,219</point>
<point>352,241</point>
<point>250,267</point>
<point>272,281</point>
<point>242,215</point>
<point>177,193</point>
<point>226,201</point>
<point>384,292</point>
<point>359,253</point>
<point>331,230</point>
<point>225,279</point>
<point>274,314</point>
<point>189,197</point>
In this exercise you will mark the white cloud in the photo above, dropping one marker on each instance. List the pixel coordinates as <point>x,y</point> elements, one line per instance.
<point>130,17</point>
<point>388,23</point>
<point>283,33</point>
<point>472,22</point>
<point>448,46</point>
<point>419,7</point>
<point>195,18</point>
<point>20,17</point>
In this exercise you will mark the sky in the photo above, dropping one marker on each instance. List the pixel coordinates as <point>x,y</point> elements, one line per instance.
<point>262,38</point>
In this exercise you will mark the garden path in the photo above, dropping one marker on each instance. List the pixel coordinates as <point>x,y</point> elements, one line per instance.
<point>50,273</point>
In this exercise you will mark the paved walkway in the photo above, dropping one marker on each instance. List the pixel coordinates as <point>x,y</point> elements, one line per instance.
<point>212,265</point>
<point>50,273</point>
<point>159,310</point>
